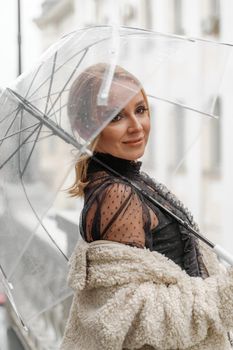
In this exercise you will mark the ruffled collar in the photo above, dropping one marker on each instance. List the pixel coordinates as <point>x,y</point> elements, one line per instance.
<point>122,166</point>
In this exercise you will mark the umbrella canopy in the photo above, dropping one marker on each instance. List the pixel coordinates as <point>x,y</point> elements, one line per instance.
<point>40,126</point>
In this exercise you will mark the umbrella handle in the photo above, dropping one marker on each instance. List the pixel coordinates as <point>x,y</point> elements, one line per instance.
<point>223,254</point>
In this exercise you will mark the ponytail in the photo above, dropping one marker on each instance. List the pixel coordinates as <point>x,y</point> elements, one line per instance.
<point>77,189</point>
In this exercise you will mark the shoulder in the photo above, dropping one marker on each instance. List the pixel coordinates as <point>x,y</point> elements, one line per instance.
<point>103,184</point>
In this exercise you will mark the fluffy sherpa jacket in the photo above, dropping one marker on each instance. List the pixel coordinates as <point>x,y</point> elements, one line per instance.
<point>132,298</point>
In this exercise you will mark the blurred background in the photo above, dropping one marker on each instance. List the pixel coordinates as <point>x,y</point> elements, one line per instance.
<point>199,156</point>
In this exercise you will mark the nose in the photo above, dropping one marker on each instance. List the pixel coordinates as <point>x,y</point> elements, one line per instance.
<point>134,124</point>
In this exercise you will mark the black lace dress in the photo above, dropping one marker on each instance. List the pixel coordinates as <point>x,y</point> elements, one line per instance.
<point>115,210</point>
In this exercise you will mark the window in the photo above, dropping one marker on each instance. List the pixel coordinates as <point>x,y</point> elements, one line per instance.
<point>212,141</point>
<point>178,139</point>
<point>215,138</point>
<point>178,15</point>
<point>211,17</point>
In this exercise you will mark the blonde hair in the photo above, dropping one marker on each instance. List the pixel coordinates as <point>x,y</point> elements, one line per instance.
<point>84,117</point>
<point>77,189</point>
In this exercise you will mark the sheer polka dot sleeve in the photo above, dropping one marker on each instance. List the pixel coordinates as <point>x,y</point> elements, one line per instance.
<point>118,214</point>
<point>122,216</point>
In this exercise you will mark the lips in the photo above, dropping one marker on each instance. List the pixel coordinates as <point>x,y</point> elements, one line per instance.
<point>133,141</point>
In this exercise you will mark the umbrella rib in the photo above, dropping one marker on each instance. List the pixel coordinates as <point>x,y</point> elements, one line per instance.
<point>58,68</point>
<point>40,139</point>
<point>51,305</point>
<point>69,59</point>
<point>51,81</point>
<point>143,31</point>
<point>8,286</point>
<point>32,149</point>
<point>9,115</point>
<point>3,272</point>
<point>54,113</point>
<point>41,223</point>
<point>16,110</point>
<point>45,96</point>
<point>9,127</point>
<point>67,82</point>
<point>55,93</point>
<point>179,37</point>
<point>57,130</point>
<point>18,132</point>
<point>33,79</point>
<point>20,145</point>
<point>58,110</point>
<point>185,154</point>
<point>183,106</point>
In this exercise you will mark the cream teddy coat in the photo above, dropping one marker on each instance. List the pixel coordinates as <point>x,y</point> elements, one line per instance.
<point>131,298</point>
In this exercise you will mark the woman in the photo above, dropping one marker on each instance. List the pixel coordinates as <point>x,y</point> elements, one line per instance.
<point>140,280</point>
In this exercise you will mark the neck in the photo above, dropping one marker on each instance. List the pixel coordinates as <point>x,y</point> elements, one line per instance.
<point>105,161</point>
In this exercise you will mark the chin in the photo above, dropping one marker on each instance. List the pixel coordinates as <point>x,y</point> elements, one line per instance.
<point>131,155</point>
<point>128,154</point>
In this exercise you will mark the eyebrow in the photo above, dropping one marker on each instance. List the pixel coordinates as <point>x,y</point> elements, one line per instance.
<point>136,105</point>
<point>140,103</point>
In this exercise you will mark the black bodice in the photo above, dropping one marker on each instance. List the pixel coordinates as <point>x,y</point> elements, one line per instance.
<point>168,237</point>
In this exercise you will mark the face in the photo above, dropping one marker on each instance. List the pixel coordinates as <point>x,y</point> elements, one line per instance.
<point>127,134</point>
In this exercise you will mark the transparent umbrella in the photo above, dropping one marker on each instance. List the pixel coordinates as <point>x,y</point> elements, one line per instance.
<point>37,139</point>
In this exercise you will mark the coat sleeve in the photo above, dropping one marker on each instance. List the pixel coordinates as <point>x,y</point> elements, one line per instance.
<point>178,316</point>
<point>130,297</point>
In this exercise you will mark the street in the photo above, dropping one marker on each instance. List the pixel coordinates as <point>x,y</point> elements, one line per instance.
<point>8,337</point>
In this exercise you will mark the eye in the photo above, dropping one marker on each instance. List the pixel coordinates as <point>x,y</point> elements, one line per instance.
<point>117,118</point>
<point>141,109</point>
